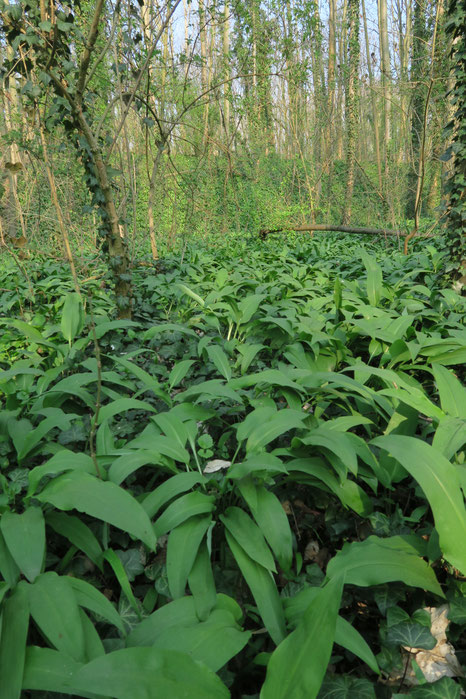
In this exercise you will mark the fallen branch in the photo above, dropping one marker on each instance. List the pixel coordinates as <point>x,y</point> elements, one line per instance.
<point>310,227</point>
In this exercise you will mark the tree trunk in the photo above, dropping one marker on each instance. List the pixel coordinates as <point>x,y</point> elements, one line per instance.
<point>351,107</point>
<point>375,117</point>
<point>329,130</point>
<point>386,87</point>
<point>418,77</point>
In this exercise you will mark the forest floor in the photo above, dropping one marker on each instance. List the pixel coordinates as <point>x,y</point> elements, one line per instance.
<point>255,486</point>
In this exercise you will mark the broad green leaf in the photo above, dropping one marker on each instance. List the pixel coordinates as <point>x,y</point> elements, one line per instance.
<point>212,642</point>
<point>172,427</point>
<point>297,667</point>
<point>103,327</point>
<point>180,612</point>
<point>337,293</point>
<point>348,637</point>
<point>411,635</point>
<point>101,499</point>
<point>15,624</point>
<point>24,535</point>
<point>105,443</point>
<point>349,493</point>
<point>268,463</point>
<point>4,587</point>
<point>337,443</point>
<point>415,399</point>
<point>55,610</point>
<point>132,561</point>
<point>89,597</point>
<point>189,292</point>
<point>448,358</point>
<point>220,360</point>
<point>375,562</point>
<point>249,536</point>
<point>180,510</point>
<point>182,547</point>
<point>117,566</point>
<point>269,514</point>
<point>32,333</point>
<point>215,388</point>
<point>57,419</point>
<point>126,464</point>
<point>8,567</point>
<point>151,442</point>
<point>270,377</point>
<point>264,425</point>
<point>450,436</point>
<point>140,673</point>
<point>452,392</point>
<point>352,495</point>
<point>202,583</point>
<point>47,670</point>
<point>18,430</point>
<point>439,480</point>
<point>248,353</point>
<point>121,405</point>
<point>64,460</point>
<point>78,533</point>
<point>150,382</point>
<point>179,371</point>
<point>19,371</point>
<point>93,646</point>
<point>72,318</point>
<point>263,589</point>
<point>374,278</point>
<point>345,633</point>
<point>170,489</point>
<point>248,306</point>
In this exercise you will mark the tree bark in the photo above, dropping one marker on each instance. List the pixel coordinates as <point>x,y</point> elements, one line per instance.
<point>375,115</point>
<point>351,107</point>
<point>310,227</point>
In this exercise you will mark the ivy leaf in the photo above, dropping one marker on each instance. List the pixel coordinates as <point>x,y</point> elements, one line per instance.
<point>132,562</point>
<point>445,688</point>
<point>346,687</point>
<point>411,635</point>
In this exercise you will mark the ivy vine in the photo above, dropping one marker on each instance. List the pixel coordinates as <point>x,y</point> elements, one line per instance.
<point>455,131</point>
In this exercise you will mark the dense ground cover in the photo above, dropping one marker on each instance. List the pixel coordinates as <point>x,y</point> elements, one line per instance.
<point>254,487</point>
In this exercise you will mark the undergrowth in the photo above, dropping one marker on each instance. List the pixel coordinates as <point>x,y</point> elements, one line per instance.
<point>255,487</point>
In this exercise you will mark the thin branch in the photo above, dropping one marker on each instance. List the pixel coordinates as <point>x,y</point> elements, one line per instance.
<point>88,48</point>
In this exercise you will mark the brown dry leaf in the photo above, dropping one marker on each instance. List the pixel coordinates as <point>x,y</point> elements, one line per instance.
<point>287,507</point>
<point>439,662</point>
<point>300,505</point>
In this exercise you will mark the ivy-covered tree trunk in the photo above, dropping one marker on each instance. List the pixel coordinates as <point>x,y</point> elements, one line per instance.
<point>39,39</point>
<point>455,189</point>
<point>351,104</point>
<point>419,90</point>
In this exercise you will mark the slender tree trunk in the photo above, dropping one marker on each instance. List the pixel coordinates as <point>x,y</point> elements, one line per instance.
<point>373,99</point>
<point>329,128</point>
<point>13,224</point>
<point>204,67</point>
<point>386,86</point>
<point>418,81</point>
<point>341,81</point>
<point>226,70</point>
<point>351,107</point>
